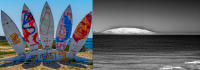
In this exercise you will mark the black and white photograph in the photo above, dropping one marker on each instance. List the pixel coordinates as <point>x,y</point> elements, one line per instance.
<point>146,35</point>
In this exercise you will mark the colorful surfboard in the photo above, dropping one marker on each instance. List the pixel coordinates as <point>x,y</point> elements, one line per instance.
<point>64,29</point>
<point>12,34</point>
<point>80,35</point>
<point>46,27</point>
<point>30,30</point>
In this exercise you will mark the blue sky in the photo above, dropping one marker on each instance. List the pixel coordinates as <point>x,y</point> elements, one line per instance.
<point>14,8</point>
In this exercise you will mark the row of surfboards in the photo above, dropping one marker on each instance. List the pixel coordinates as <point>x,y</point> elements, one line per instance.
<point>46,31</point>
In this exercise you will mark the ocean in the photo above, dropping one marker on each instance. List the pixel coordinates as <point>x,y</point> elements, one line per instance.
<point>146,52</point>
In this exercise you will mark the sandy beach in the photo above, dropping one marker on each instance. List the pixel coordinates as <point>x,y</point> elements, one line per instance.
<point>5,65</point>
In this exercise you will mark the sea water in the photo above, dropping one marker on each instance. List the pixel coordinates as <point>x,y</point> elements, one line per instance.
<point>146,52</point>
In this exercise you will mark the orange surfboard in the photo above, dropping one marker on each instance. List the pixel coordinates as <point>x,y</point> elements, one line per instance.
<point>80,35</point>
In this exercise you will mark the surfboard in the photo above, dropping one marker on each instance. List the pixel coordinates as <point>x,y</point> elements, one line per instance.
<point>64,29</point>
<point>12,34</point>
<point>30,30</point>
<point>80,35</point>
<point>46,27</point>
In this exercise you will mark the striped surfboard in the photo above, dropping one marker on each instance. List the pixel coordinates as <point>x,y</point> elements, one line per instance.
<point>80,35</point>
<point>30,30</point>
<point>12,34</point>
<point>64,29</point>
<point>46,27</point>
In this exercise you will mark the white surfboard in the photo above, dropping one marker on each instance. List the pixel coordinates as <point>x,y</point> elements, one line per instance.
<point>46,27</point>
<point>12,34</point>
<point>30,30</point>
<point>64,29</point>
<point>80,35</point>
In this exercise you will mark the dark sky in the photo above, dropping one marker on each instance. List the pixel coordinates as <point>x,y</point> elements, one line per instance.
<point>164,16</point>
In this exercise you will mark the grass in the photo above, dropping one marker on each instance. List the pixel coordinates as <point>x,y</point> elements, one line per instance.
<point>4,43</point>
<point>4,53</point>
<point>3,67</point>
<point>54,45</point>
<point>27,50</point>
<point>10,52</point>
<point>1,56</point>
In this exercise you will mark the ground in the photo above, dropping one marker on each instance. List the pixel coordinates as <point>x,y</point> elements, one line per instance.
<point>6,52</point>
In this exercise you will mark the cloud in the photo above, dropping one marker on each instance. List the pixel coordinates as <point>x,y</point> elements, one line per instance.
<point>128,31</point>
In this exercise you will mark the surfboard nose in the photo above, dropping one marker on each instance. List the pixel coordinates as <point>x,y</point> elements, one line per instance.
<point>69,7</point>
<point>4,16</point>
<point>2,13</point>
<point>25,6</point>
<point>46,4</point>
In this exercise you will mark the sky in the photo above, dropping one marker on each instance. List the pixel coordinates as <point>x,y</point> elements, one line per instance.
<point>162,16</point>
<point>13,8</point>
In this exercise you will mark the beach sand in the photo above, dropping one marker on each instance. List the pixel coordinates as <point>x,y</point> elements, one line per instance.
<point>47,65</point>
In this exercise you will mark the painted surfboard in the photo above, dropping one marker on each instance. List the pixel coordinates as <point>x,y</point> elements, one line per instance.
<point>30,30</point>
<point>46,27</point>
<point>64,29</point>
<point>12,34</point>
<point>80,35</point>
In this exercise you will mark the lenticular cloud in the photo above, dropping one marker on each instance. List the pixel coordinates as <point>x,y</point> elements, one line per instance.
<point>128,31</point>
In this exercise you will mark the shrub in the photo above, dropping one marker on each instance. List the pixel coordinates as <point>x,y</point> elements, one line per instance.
<point>54,45</point>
